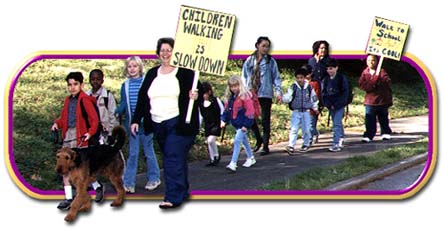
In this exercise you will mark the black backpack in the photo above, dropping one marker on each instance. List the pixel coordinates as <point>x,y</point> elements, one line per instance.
<point>95,139</point>
<point>350,89</point>
<point>350,94</point>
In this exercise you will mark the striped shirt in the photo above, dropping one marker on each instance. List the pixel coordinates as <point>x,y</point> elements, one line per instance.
<point>134,87</point>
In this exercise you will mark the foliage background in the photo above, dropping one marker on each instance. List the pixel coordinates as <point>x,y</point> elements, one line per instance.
<point>40,91</point>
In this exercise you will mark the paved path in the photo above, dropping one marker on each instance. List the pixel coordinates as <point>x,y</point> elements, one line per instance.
<point>279,165</point>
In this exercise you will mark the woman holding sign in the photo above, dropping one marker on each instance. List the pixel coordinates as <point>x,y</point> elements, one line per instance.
<point>260,72</point>
<point>162,105</point>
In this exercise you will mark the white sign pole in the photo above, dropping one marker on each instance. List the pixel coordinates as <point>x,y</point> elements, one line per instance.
<point>380,62</point>
<point>191,101</point>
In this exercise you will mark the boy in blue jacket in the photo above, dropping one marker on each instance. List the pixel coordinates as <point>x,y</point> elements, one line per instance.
<point>335,92</point>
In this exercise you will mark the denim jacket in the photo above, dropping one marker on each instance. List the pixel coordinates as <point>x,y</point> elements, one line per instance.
<point>269,76</point>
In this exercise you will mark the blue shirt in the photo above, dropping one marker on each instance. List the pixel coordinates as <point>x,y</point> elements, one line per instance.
<point>134,87</point>
<point>72,110</point>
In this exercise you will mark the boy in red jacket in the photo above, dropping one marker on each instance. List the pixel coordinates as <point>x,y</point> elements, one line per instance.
<point>75,129</point>
<point>378,99</point>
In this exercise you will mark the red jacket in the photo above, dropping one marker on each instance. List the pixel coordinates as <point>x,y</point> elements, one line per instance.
<point>316,86</point>
<point>80,123</point>
<point>377,87</point>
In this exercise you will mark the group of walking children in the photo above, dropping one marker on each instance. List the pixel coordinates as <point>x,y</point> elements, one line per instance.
<point>247,98</point>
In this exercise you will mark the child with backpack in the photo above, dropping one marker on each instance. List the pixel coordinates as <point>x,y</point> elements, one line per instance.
<point>105,102</point>
<point>79,122</point>
<point>239,111</point>
<point>301,99</point>
<point>316,86</point>
<point>335,93</point>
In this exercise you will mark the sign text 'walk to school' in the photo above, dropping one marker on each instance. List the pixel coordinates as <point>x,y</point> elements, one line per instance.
<point>387,38</point>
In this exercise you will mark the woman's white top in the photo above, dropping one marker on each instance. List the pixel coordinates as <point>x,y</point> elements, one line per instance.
<point>163,94</point>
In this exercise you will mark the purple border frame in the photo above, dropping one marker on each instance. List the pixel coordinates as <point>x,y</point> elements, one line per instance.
<point>242,192</point>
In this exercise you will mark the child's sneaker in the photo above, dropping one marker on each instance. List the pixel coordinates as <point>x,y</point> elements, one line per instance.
<point>341,142</point>
<point>152,185</point>
<point>365,140</point>
<point>249,162</point>
<point>130,190</point>
<point>304,148</point>
<point>232,167</point>
<point>335,148</point>
<point>386,137</point>
<point>290,150</point>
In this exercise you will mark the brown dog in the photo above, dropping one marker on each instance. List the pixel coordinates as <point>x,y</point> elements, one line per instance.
<point>85,164</point>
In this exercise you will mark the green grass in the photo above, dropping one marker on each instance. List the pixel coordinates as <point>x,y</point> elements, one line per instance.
<point>321,177</point>
<point>41,89</point>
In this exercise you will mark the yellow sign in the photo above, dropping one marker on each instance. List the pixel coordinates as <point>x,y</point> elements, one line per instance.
<point>387,38</point>
<point>203,40</point>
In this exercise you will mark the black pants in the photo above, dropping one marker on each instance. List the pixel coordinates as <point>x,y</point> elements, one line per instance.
<point>265,104</point>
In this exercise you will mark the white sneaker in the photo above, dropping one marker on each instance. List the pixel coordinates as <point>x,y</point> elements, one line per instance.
<point>232,166</point>
<point>341,142</point>
<point>386,137</point>
<point>130,190</point>
<point>366,139</point>
<point>249,162</point>
<point>152,185</point>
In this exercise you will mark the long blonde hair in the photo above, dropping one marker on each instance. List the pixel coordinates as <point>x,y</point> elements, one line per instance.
<point>139,62</point>
<point>235,80</point>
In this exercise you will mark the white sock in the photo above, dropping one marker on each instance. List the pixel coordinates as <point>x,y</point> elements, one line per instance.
<point>95,185</point>
<point>68,192</point>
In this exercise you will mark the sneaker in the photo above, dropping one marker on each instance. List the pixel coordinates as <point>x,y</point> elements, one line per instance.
<point>232,167</point>
<point>65,204</point>
<point>334,148</point>
<point>265,151</point>
<point>386,137</point>
<point>152,185</point>
<point>341,142</point>
<point>304,148</point>
<point>290,150</point>
<point>99,193</point>
<point>249,162</point>
<point>130,190</point>
<point>366,140</point>
<point>211,163</point>
<point>217,159</point>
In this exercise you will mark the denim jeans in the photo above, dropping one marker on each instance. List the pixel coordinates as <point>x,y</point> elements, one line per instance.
<point>371,115</point>
<point>175,149</point>
<point>337,124</point>
<point>300,120</point>
<point>313,127</point>
<point>153,171</point>
<point>239,139</point>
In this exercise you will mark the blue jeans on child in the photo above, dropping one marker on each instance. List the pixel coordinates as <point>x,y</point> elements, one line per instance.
<point>303,120</point>
<point>313,127</point>
<point>371,115</point>
<point>239,139</point>
<point>337,124</point>
<point>153,171</point>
